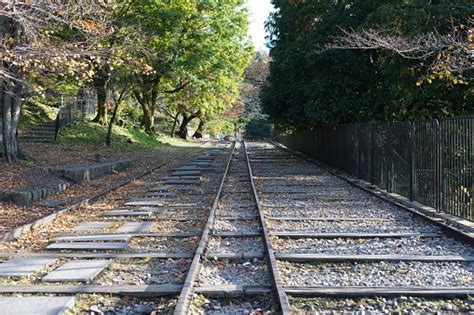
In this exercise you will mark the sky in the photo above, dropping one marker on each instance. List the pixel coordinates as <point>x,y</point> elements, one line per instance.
<point>259,9</point>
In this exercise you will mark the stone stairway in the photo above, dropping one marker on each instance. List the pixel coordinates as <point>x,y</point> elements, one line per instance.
<point>41,133</point>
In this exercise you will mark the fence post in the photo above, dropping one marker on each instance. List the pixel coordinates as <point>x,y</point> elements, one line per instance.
<point>388,157</point>
<point>412,138</point>
<point>372,154</point>
<point>356,134</point>
<point>438,165</point>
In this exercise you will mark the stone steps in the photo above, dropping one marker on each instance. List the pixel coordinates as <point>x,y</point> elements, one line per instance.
<point>42,133</point>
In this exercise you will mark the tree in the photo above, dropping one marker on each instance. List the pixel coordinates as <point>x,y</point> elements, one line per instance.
<point>195,45</point>
<point>250,89</point>
<point>120,34</point>
<point>310,85</point>
<point>43,35</point>
<point>121,89</point>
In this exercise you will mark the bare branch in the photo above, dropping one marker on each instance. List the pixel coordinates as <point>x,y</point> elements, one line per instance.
<point>448,53</point>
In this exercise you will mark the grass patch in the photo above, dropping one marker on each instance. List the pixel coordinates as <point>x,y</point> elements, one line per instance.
<point>36,114</point>
<point>123,139</point>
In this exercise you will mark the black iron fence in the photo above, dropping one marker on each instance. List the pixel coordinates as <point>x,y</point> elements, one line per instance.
<point>431,162</point>
<point>76,108</point>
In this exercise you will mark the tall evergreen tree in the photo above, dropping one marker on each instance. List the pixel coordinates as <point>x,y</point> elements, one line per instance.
<point>309,85</point>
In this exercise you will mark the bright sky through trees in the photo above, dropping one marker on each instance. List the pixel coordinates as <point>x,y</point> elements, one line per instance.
<point>259,9</point>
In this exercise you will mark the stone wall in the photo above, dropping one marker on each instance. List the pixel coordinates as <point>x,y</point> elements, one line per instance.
<point>27,197</point>
<point>78,174</point>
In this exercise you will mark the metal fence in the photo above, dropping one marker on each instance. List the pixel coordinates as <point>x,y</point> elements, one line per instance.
<point>76,108</point>
<point>430,162</point>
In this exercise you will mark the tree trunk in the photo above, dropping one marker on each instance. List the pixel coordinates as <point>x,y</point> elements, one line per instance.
<point>10,95</point>
<point>100,84</point>
<point>147,96</point>
<point>10,100</point>
<point>175,122</point>
<point>149,119</point>
<point>108,139</point>
<point>199,131</point>
<point>183,128</point>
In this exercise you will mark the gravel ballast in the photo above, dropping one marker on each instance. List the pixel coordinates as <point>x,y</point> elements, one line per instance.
<point>224,272</point>
<point>165,245</point>
<point>236,211</point>
<point>121,305</point>
<point>178,226</point>
<point>236,226</point>
<point>442,246</point>
<point>145,272</point>
<point>379,274</point>
<point>235,245</point>
<point>412,226</point>
<point>252,306</point>
<point>381,305</point>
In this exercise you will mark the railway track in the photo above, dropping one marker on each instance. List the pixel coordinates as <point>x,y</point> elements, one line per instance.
<point>138,244</point>
<point>248,228</point>
<point>235,272</point>
<point>340,249</point>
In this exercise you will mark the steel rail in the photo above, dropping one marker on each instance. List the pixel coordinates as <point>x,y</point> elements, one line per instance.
<point>187,291</point>
<point>283,303</point>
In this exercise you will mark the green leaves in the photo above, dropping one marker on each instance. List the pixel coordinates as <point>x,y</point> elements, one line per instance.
<point>308,86</point>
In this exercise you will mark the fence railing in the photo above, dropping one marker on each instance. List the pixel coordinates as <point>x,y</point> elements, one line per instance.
<point>431,162</point>
<point>75,108</point>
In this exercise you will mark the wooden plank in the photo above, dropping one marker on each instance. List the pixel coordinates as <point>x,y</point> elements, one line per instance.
<point>232,290</point>
<point>93,238</point>
<point>326,198</point>
<point>162,188</point>
<point>235,256</point>
<point>136,290</point>
<point>236,234</point>
<point>88,246</point>
<point>126,213</point>
<point>185,218</point>
<point>173,207</point>
<point>182,177</point>
<point>328,219</point>
<point>287,192</point>
<point>378,291</point>
<point>353,235</point>
<point>343,258</point>
<point>151,234</point>
<point>237,218</point>
<point>101,255</point>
